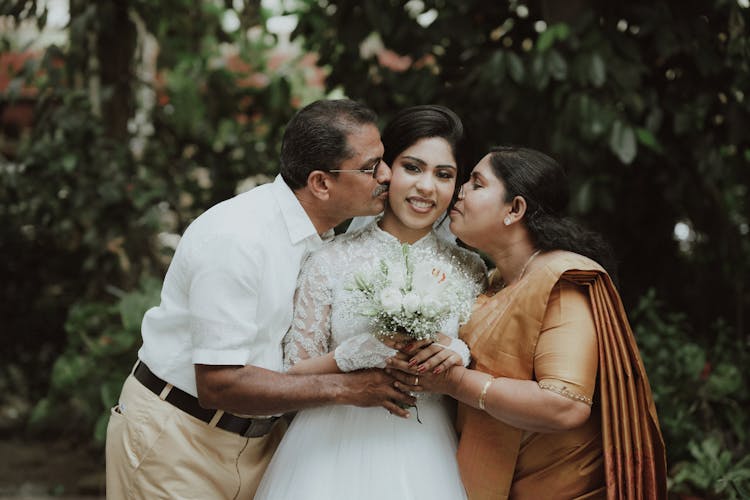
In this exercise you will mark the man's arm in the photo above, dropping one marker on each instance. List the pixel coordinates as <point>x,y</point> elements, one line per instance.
<point>250,390</point>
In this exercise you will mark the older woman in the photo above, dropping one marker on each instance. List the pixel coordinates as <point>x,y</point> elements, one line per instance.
<point>556,403</point>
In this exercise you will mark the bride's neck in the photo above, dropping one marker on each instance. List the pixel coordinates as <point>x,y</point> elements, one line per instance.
<point>393,225</point>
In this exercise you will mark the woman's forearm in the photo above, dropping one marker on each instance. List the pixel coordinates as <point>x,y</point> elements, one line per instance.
<point>520,403</point>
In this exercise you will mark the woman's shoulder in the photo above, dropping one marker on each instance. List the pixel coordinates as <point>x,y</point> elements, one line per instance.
<point>561,261</point>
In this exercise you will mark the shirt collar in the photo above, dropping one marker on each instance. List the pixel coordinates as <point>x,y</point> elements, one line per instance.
<point>298,224</point>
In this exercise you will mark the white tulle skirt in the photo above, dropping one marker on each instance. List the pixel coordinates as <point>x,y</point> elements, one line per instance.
<point>346,452</point>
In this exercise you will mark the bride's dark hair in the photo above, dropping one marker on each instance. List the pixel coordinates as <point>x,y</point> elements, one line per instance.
<point>541,181</point>
<point>420,122</point>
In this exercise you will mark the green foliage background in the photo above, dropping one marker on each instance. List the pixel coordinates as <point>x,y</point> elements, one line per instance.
<point>647,104</point>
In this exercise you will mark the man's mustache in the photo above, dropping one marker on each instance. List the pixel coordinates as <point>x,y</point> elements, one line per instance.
<point>382,188</point>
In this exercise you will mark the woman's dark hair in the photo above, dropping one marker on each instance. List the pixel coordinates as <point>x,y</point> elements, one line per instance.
<point>541,181</point>
<point>316,138</point>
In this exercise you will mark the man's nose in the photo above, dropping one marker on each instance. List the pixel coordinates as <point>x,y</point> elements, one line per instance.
<point>383,174</point>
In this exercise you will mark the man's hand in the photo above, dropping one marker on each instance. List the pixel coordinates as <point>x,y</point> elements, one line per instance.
<point>376,388</point>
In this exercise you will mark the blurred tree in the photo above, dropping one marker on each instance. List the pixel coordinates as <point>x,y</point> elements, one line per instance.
<point>152,112</point>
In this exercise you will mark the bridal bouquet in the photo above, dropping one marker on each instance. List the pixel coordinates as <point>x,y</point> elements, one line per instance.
<point>413,292</point>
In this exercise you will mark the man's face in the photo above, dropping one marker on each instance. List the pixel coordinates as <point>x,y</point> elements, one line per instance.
<point>359,193</point>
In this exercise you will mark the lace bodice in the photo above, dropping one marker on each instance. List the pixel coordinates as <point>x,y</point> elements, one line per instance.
<point>324,314</point>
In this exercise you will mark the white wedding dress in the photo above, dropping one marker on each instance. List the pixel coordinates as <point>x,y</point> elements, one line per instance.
<point>347,452</point>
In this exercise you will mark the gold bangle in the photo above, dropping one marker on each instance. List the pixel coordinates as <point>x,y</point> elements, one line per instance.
<point>483,394</point>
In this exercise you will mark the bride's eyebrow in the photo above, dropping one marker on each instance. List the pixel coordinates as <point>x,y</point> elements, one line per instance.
<point>422,162</point>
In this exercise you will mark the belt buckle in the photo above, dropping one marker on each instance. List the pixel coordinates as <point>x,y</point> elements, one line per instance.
<point>259,427</point>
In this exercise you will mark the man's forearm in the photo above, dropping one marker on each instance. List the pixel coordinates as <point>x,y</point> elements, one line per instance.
<point>250,390</point>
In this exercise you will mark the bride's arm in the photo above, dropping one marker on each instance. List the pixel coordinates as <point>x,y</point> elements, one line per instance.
<point>307,345</point>
<point>318,364</point>
<point>307,342</point>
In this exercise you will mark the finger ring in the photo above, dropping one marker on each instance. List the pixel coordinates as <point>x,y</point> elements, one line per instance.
<point>416,380</point>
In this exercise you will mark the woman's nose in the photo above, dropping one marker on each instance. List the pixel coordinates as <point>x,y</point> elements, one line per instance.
<point>460,194</point>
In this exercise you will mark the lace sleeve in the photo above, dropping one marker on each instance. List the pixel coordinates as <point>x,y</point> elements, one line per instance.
<point>310,332</point>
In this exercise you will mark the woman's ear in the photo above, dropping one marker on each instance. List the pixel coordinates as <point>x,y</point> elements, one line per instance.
<point>518,207</point>
<point>318,183</point>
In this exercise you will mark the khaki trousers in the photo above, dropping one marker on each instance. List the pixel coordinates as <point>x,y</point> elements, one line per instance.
<point>155,450</point>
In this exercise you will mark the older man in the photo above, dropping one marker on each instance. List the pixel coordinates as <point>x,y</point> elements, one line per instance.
<point>197,418</point>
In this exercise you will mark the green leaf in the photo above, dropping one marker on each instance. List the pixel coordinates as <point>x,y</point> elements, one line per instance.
<point>69,162</point>
<point>584,198</point>
<point>545,40</point>
<point>515,67</point>
<point>558,68</point>
<point>41,412</point>
<point>539,72</point>
<point>553,33</point>
<point>648,139</point>
<point>622,142</point>
<point>100,428</point>
<point>597,70</point>
<point>724,380</point>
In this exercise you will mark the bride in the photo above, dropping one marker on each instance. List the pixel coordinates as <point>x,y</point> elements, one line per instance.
<point>365,453</point>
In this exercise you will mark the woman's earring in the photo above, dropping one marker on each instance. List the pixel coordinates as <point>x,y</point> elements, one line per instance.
<point>506,221</point>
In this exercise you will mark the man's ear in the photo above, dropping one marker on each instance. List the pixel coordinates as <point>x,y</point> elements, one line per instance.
<point>318,182</point>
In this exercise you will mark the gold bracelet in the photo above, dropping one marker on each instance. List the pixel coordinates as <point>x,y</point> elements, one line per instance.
<point>483,394</point>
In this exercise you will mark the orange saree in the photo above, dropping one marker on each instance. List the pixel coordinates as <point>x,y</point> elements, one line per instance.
<point>503,333</point>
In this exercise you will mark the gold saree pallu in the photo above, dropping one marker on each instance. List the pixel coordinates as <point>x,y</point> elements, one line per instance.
<point>502,335</point>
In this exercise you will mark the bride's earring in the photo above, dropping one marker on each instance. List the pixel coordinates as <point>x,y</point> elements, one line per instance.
<point>506,221</point>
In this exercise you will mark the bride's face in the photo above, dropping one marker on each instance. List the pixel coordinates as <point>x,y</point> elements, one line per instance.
<point>422,183</point>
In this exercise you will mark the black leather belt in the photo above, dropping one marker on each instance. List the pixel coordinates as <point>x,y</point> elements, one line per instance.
<point>244,426</point>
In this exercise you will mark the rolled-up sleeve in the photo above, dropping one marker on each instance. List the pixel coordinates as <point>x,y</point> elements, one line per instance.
<point>223,301</point>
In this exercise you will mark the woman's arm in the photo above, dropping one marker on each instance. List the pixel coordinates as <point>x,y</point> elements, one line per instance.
<point>565,367</point>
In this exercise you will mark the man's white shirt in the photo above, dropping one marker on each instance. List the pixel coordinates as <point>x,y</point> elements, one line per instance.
<point>227,298</point>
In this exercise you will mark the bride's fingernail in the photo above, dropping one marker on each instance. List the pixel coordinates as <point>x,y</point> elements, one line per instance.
<point>420,369</point>
<point>437,370</point>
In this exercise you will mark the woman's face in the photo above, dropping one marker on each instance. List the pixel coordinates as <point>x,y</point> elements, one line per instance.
<point>478,214</point>
<point>422,185</point>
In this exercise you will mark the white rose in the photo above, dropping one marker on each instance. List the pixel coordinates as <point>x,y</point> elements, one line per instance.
<point>431,307</point>
<point>411,303</point>
<point>390,300</point>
